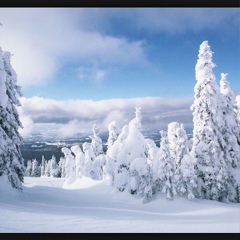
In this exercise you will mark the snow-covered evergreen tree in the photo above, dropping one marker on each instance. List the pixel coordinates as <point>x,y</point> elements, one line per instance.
<point>53,167</point>
<point>165,181</point>
<point>90,156</point>
<point>36,172</point>
<point>189,177</point>
<point>61,167</point>
<point>190,144</point>
<point>28,169</point>
<point>141,169</point>
<point>208,142</point>
<point>178,148</point>
<point>231,130</point>
<point>133,146</point>
<point>70,166</point>
<point>47,168</point>
<point>114,131</point>
<point>109,170</point>
<point>112,151</point>
<point>97,145</point>
<point>79,160</point>
<point>43,166</point>
<point>152,151</point>
<point>97,166</point>
<point>11,161</point>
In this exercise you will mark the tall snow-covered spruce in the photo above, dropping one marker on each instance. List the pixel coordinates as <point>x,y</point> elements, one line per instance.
<point>208,142</point>
<point>231,130</point>
<point>11,161</point>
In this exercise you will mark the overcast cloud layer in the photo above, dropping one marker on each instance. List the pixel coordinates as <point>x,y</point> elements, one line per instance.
<point>76,116</point>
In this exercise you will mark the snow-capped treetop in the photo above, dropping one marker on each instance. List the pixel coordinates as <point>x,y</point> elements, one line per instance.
<point>112,150</point>
<point>95,129</point>
<point>204,66</point>
<point>124,133</point>
<point>88,151</point>
<point>138,113</point>
<point>66,151</point>
<point>172,127</point>
<point>113,133</point>
<point>13,88</point>
<point>7,57</point>
<point>152,148</point>
<point>76,149</point>
<point>224,86</point>
<point>135,124</point>
<point>3,89</point>
<point>96,141</point>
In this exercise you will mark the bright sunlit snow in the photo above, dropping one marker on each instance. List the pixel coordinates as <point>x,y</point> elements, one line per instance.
<point>93,206</point>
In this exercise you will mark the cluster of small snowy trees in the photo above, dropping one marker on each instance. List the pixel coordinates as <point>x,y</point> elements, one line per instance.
<point>48,168</point>
<point>207,166</point>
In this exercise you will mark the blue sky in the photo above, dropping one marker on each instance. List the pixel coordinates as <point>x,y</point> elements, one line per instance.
<point>98,54</point>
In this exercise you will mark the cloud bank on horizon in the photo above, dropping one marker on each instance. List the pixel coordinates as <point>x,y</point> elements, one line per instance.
<point>72,117</point>
<point>77,66</point>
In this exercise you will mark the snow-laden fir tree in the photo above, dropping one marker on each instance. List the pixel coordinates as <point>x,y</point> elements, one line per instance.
<point>152,151</point>
<point>43,166</point>
<point>112,151</point>
<point>133,146</point>
<point>36,172</point>
<point>98,165</point>
<point>11,161</point>
<point>141,168</point>
<point>97,145</point>
<point>28,169</point>
<point>79,160</point>
<point>110,167</point>
<point>231,130</point>
<point>109,170</point>
<point>90,156</point>
<point>53,167</point>
<point>114,165</point>
<point>70,167</point>
<point>177,141</point>
<point>208,142</point>
<point>140,174</point>
<point>189,144</point>
<point>188,177</point>
<point>165,181</point>
<point>47,168</point>
<point>231,134</point>
<point>114,131</point>
<point>61,167</point>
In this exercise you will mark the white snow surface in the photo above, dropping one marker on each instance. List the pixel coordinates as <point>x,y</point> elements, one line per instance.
<point>93,206</point>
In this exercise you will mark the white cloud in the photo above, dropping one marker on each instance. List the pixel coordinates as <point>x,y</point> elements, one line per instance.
<point>74,116</point>
<point>27,123</point>
<point>44,39</point>
<point>70,129</point>
<point>92,74</point>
